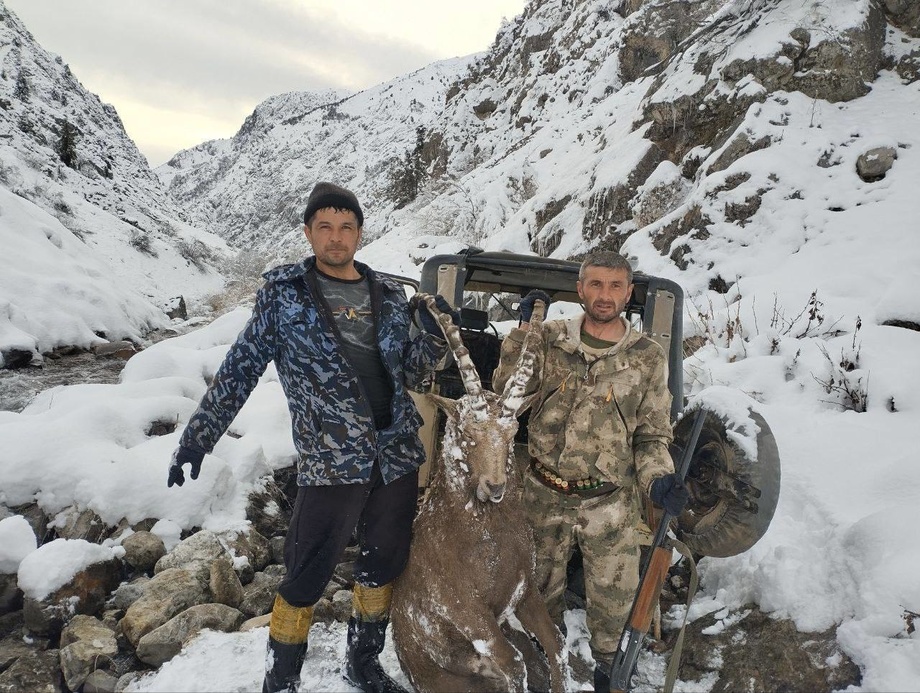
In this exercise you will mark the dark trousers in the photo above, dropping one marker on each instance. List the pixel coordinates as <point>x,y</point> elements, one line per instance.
<point>324,520</point>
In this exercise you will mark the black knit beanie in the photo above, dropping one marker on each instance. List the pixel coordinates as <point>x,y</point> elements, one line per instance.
<point>331,195</point>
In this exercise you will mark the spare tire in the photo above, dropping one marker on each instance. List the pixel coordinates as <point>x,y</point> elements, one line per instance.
<point>733,493</point>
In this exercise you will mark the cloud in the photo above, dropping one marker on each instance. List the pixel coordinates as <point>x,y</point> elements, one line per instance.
<point>211,62</point>
<point>225,51</point>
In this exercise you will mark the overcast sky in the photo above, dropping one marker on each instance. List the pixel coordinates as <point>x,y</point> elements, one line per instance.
<point>180,72</point>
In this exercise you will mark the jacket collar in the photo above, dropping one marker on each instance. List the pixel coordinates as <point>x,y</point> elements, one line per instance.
<point>569,337</point>
<point>285,273</point>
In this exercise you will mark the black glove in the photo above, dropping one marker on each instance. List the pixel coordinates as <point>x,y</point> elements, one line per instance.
<point>428,321</point>
<point>527,303</point>
<point>669,492</point>
<point>181,457</point>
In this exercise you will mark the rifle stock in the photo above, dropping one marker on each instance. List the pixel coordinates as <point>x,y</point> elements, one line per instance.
<point>652,575</point>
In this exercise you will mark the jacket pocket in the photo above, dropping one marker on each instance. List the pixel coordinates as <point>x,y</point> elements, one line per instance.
<point>617,465</point>
<point>303,339</point>
<point>620,396</point>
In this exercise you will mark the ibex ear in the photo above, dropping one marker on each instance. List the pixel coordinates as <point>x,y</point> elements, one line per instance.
<point>445,404</point>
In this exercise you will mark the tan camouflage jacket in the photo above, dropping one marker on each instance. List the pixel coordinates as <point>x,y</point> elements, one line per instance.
<point>609,419</point>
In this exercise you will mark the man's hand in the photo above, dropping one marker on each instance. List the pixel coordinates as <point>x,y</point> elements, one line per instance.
<point>181,457</point>
<point>527,303</point>
<point>670,493</point>
<point>428,322</point>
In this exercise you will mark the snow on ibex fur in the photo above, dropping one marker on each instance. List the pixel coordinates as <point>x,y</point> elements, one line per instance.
<point>471,566</point>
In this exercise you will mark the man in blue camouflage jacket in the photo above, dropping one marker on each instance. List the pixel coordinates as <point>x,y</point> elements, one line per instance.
<point>339,336</point>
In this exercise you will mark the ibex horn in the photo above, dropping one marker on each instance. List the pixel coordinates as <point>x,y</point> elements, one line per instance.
<point>513,396</point>
<point>468,374</point>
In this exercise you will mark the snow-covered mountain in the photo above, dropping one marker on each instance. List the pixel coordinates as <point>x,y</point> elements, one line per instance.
<point>762,153</point>
<point>67,153</point>
<point>547,140</point>
<point>251,189</point>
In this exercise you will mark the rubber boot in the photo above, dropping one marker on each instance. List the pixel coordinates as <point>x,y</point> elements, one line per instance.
<point>287,646</point>
<point>603,663</point>
<point>362,666</point>
<point>282,666</point>
<point>602,679</point>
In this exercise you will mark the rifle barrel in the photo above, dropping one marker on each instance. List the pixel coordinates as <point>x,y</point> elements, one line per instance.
<point>627,655</point>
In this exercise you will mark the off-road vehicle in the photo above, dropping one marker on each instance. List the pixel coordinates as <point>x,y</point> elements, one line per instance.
<point>733,492</point>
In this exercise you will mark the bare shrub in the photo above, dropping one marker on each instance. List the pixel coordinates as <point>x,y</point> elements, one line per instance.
<point>244,277</point>
<point>195,252</point>
<point>808,323</point>
<point>726,330</point>
<point>140,241</point>
<point>849,388</point>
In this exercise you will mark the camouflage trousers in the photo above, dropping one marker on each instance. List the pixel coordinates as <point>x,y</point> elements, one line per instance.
<point>606,529</point>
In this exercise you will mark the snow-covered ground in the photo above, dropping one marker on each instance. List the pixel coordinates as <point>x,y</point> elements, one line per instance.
<point>814,274</point>
<point>57,290</point>
<point>841,550</point>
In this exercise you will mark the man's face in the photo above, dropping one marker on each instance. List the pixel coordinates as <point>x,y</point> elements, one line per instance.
<point>334,236</point>
<point>604,293</point>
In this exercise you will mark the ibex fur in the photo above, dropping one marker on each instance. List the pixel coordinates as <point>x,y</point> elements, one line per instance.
<point>471,565</point>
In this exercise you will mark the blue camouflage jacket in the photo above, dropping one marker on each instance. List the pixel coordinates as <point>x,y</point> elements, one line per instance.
<point>331,417</point>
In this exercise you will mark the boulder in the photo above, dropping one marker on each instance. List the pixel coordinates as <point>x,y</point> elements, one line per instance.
<point>86,645</point>
<point>224,583</point>
<point>111,617</point>
<point>196,553</point>
<point>758,652</point>
<point>143,550</point>
<point>10,594</point>
<point>121,349</point>
<point>323,611</point>
<point>100,682</point>
<point>12,648</point>
<point>74,523</point>
<point>129,592</point>
<point>265,513</point>
<point>904,14</point>
<point>86,593</point>
<point>249,543</point>
<point>175,308</point>
<point>12,623</point>
<point>165,642</point>
<point>255,622</point>
<point>35,672</point>
<point>342,605</point>
<point>875,163</point>
<point>170,592</point>
<point>277,545</point>
<point>126,680</point>
<point>16,358</point>
<point>259,595</point>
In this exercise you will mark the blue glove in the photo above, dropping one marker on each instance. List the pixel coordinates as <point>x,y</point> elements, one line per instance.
<point>527,303</point>
<point>669,492</point>
<point>181,457</point>
<point>428,321</point>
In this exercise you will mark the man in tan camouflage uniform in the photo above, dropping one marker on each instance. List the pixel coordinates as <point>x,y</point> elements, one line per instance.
<point>598,435</point>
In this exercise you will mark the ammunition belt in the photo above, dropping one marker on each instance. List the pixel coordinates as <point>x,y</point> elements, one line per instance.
<point>588,487</point>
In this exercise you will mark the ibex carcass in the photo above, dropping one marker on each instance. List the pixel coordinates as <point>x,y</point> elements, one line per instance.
<point>471,565</point>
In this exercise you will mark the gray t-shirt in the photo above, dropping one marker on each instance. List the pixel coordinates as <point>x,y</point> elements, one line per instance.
<point>350,302</point>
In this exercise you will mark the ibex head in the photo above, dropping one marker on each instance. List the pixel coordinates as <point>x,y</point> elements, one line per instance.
<point>479,436</point>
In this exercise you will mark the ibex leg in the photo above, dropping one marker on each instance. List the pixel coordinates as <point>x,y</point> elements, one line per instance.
<point>532,614</point>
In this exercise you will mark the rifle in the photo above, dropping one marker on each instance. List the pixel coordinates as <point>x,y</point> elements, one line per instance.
<point>652,574</point>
